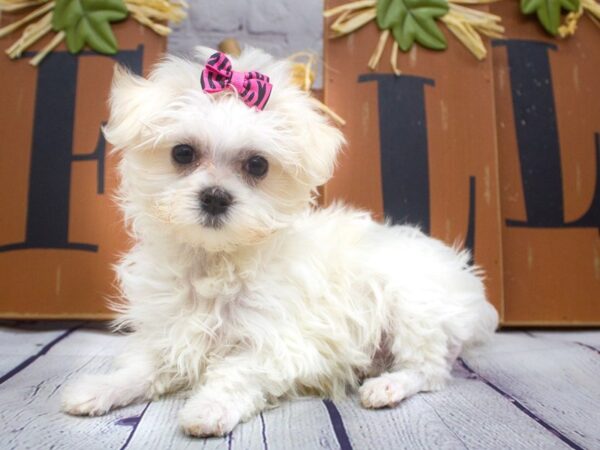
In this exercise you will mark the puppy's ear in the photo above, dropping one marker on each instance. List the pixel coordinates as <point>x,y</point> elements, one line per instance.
<point>132,100</point>
<point>319,142</point>
<point>323,142</point>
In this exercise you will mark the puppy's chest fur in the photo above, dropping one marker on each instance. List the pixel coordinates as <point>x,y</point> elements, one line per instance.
<point>222,309</point>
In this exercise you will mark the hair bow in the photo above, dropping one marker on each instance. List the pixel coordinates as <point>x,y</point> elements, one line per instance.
<point>254,88</point>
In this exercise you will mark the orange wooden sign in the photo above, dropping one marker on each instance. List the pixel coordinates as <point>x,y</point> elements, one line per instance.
<point>548,126</point>
<point>60,230</point>
<point>421,146</point>
<point>503,154</point>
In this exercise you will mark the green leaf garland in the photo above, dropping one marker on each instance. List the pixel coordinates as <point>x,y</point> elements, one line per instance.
<point>413,20</point>
<point>549,11</point>
<point>88,22</point>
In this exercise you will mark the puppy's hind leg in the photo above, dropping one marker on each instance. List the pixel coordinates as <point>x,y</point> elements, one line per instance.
<point>420,364</point>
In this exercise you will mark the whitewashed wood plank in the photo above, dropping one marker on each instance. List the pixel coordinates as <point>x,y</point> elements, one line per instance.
<point>509,342</point>
<point>30,401</point>
<point>159,428</point>
<point>9,364</point>
<point>22,344</point>
<point>306,423</point>
<point>30,346</point>
<point>482,418</point>
<point>18,341</point>
<point>466,414</point>
<point>589,338</point>
<point>556,382</point>
<point>412,425</point>
<point>247,436</point>
<point>295,424</point>
<point>301,423</point>
<point>90,341</point>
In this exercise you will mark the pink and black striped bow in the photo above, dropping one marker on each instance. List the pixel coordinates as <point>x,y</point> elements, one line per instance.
<point>253,87</point>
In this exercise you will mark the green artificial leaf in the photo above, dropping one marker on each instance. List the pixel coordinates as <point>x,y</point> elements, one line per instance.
<point>88,22</point>
<point>548,11</point>
<point>413,20</point>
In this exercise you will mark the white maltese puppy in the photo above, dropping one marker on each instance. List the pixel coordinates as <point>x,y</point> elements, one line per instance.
<point>237,287</point>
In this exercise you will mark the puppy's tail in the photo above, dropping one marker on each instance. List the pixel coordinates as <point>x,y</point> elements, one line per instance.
<point>487,323</point>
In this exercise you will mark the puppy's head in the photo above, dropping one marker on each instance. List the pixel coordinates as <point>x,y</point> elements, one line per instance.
<point>208,170</point>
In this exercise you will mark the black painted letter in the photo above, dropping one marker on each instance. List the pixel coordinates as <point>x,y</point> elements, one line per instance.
<point>537,139</point>
<point>51,152</point>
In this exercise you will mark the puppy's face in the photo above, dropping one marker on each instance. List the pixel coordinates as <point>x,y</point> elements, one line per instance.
<point>205,168</point>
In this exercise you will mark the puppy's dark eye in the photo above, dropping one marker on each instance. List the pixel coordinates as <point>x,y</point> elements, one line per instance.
<point>256,166</point>
<point>183,154</point>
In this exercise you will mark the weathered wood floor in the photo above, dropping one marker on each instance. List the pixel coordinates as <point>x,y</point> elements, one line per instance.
<point>524,391</point>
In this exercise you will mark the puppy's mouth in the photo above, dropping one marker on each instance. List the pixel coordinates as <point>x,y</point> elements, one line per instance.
<point>214,222</point>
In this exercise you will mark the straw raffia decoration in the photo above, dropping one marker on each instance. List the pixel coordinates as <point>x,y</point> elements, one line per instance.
<point>303,75</point>
<point>467,24</point>
<point>153,14</point>
<point>588,7</point>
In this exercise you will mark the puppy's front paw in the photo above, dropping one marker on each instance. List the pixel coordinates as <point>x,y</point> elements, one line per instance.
<point>203,418</point>
<point>381,392</point>
<point>86,397</point>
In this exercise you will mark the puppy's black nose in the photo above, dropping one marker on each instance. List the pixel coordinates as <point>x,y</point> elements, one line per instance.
<point>215,201</point>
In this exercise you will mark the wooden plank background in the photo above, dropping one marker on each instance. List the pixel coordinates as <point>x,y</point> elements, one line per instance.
<point>45,281</point>
<point>532,149</point>
<point>460,142</point>
<point>522,391</point>
<point>551,264</point>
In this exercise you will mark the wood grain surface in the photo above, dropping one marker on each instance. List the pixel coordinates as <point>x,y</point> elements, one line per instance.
<point>453,139</point>
<point>74,199</point>
<point>521,391</point>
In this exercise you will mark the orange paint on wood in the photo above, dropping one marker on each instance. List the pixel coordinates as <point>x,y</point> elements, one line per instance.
<point>461,137</point>
<point>62,283</point>
<point>552,275</point>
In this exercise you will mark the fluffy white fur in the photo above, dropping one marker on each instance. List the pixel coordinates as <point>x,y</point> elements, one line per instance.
<point>283,299</point>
